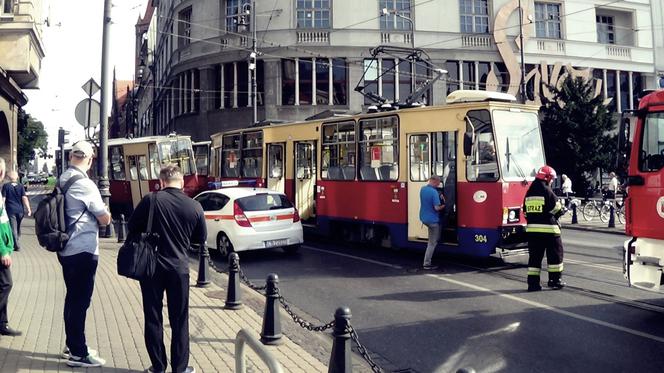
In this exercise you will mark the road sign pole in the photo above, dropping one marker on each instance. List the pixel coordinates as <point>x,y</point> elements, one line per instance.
<point>102,156</point>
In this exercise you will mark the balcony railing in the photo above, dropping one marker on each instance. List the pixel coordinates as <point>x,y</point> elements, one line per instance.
<point>396,38</point>
<point>476,41</point>
<point>619,52</point>
<point>551,46</point>
<point>313,37</point>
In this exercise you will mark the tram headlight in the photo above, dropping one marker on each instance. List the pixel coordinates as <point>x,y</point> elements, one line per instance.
<point>513,214</point>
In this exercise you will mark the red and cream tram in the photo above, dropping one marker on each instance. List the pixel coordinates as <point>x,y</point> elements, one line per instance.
<point>134,166</point>
<point>359,177</point>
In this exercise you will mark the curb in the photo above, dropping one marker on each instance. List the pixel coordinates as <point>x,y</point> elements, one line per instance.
<point>593,229</point>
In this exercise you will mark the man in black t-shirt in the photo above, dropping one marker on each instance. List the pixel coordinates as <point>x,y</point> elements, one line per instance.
<point>180,223</point>
<point>15,201</point>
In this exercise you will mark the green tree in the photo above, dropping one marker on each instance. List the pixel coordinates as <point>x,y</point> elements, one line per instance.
<point>576,127</point>
<point>32,139</point>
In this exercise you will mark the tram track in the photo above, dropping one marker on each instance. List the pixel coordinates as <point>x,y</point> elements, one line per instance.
<point>594,294</point>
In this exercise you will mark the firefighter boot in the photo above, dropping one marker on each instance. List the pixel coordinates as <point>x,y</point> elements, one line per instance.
<point>556,281</point>
<point>534,283</point>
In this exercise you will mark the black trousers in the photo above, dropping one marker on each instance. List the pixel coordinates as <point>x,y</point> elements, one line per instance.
<point>5,288</point>
<point>552,245</point>
<point>79,272</point>
<point>15,222</point>
<point>176,286</point>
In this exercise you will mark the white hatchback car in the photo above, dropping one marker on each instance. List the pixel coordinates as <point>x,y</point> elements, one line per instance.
<point>240,219</point>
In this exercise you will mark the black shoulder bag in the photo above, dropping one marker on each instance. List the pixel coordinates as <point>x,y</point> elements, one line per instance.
<point>137,258</point>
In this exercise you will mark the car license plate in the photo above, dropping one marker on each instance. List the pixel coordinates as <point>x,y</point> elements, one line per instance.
<point>276,243</point>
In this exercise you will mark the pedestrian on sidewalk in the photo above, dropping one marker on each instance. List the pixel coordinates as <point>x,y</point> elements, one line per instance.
<point>180,223</point>
<point>613,186</point>
<point>84,211</point>
<point>567,189</point>
<point>15,202</point>
<point>543,230</point>
<point>6,249</point>
<point>432,202</point>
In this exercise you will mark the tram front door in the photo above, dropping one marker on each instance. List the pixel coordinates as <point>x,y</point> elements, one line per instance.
<point>432,153</point>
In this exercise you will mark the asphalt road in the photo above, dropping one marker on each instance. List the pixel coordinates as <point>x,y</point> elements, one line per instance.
<point>477,313</point>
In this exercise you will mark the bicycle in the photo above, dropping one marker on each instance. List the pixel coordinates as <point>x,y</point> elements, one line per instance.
<point>619,211</point>
<point>596,208</point>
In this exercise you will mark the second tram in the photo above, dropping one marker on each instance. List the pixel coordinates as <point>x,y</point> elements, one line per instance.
<point>359,177</point>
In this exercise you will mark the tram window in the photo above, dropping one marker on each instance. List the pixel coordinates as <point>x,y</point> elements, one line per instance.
<point>338,150</point>
<point>379,153</point>
<point>142,168</point>
<point>652,147</point>
<point>276,161</point>
<point>482,164</point>
<point>230,156</point>
<point>117,163</point>
<point>304,161</point>
<point>201,153</point>
<point>154,161</point>
<point>420,163</point>
<point>184,156</point>
<point>252,154</point>
<point>133,168</point>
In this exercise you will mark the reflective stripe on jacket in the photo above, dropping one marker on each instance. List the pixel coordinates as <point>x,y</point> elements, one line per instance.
<point>540,206</point>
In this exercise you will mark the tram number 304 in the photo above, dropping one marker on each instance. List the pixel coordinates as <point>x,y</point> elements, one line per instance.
<point>480,238</point>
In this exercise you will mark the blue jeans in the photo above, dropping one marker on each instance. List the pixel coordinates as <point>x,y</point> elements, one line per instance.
<point>79,273</point>
<point>434,234</point>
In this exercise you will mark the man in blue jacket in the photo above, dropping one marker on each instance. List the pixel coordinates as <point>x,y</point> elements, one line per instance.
<point>431,203</point>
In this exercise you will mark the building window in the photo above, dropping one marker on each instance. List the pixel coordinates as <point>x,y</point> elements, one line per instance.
<point>7,6</point>
<point>605,30</point>
<point>474,16</point>
<point>313,14</point>
<point>547,20</point>
<point>391,21</point>
<point>298,76</point>
<point>234,12</point>
<point>386,84</point>
<point>184,27</point>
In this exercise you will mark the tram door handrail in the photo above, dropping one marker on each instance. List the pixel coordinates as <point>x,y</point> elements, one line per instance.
<point>244,337</point>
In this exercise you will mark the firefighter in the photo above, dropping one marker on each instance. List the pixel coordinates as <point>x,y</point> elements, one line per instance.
<point>543,230</point>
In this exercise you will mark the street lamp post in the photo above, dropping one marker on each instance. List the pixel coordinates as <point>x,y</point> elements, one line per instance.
<point>523,69</point>
<point>385,12</point>
<point>250,10</point>
<point>102,156</point>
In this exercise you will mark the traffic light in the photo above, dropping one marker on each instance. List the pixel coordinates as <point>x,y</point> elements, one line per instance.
<point>62,139</point>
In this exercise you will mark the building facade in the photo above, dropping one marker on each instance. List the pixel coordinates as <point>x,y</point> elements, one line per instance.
<point>314,53</point>
<point>21,52</point>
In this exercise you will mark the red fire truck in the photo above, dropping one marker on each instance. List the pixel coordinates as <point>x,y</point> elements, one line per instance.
<point>642,155</point>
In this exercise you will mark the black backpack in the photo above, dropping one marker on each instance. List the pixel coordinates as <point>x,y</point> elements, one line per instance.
<point>50,220</point>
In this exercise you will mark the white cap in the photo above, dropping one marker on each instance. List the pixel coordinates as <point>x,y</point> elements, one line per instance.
<point>83,148</point>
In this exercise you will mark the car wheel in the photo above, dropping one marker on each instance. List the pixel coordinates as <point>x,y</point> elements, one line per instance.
<point>292,249</point>
<point>224,245</point>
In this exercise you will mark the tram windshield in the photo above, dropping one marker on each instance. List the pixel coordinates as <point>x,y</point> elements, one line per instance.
<point>519,141</point>
<point>179,151</point>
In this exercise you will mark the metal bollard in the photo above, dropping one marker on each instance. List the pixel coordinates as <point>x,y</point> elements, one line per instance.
<point>122,229</point>
<point>612,216</point>
<point>233,298</point>
<point>575,219</point>
<point>340,360</point>
<point>271,332</point>
<point>203,274</point>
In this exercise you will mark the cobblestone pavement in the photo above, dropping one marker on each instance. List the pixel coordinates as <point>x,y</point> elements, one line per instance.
<point>115,321</point>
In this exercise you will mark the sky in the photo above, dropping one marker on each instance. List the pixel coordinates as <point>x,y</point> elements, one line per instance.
<point>72,46</point>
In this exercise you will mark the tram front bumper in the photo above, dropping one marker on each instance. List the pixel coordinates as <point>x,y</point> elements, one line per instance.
<point>513,237</point>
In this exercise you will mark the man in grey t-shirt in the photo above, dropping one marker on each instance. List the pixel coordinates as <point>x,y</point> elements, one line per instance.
<point>84,209</point>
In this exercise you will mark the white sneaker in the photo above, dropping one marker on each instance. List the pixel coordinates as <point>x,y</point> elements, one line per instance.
<point>66,353</point>
<point>190,370</point>
<point>86,362</point>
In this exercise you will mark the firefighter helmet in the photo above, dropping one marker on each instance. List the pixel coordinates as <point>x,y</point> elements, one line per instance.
<point>546,173</point>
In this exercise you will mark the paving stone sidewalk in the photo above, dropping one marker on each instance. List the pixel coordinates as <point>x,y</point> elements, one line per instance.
<point>115,321</point>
